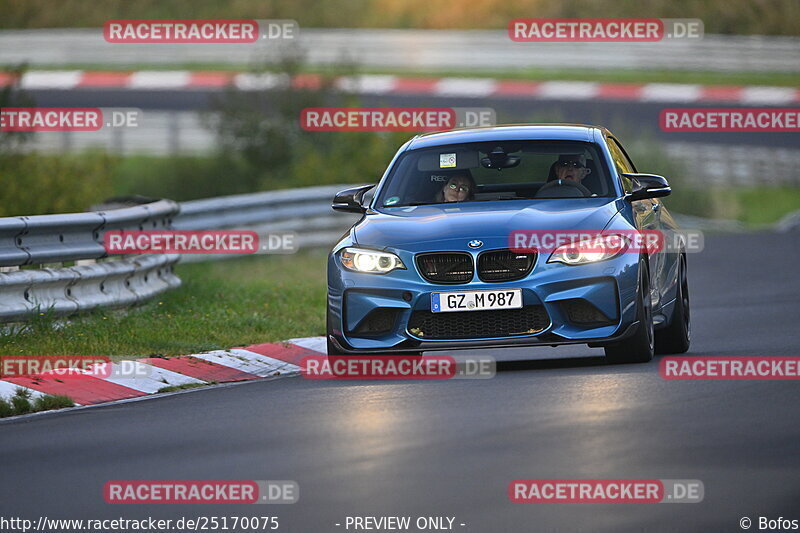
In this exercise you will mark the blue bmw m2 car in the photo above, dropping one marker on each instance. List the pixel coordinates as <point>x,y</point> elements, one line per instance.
<point>469,241</point>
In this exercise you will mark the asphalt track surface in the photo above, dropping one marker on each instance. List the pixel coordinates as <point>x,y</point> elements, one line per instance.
<point>626,118</point>
<point>450,448</point>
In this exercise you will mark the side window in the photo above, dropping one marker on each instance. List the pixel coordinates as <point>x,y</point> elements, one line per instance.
<point>625,155</point>
<point>621,162</point>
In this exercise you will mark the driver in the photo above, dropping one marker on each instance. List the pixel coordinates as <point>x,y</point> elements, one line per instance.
<point>565,178</point>
<point>571,167</point>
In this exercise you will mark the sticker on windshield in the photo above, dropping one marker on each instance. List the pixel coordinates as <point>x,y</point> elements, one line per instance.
<point>447,160</point>
<point>393,200</point>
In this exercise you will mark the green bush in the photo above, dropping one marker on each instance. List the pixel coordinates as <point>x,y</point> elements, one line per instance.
<point>21,402</point>
<point>182,177</point>
<point>5,408</point>
<point>48,402</point>
<point>11,95</point>
<point>34,184</point>
<point>260,131</point>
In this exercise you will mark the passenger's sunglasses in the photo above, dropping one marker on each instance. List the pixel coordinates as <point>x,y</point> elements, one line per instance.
<point>573,164</point>
<point>459,187</point>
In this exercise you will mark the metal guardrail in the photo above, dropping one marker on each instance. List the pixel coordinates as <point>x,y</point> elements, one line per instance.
<point>97,280</point>
<point>246,210</point>
<point>53,241</point>
<point>305,212</point>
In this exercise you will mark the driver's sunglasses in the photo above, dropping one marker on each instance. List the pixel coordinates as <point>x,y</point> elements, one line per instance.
<point>459,187</point>
<point>573,164</point>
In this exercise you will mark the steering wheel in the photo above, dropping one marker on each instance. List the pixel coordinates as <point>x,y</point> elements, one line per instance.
<point>563,189</point>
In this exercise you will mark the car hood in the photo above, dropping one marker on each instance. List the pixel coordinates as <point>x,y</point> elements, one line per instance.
<point>419,227</point>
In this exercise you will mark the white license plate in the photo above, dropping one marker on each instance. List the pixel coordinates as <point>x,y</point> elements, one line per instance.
<point>442,302</point>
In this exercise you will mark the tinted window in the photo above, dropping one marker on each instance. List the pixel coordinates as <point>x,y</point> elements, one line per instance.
<point>503,170</point>
<point>622,163</point>
<point>621,160</point>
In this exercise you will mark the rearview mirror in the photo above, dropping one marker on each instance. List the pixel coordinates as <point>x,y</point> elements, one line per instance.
<point>350,200</point>
<point>499,159</point>
<point>647,186</point>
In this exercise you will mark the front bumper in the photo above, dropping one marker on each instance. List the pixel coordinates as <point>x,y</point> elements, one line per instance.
<point>371,313</point>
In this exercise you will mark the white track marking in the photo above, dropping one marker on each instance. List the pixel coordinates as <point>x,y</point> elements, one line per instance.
<point>8,389</point>
<point>367,84</point>
<point>154,79</point>
<point>317,344</point>
<point>141,376</point>
<point>474,87</point>
<point>670,92</point>
<point>247,361</point>
<point>568,90</point>
<point>57,79</point>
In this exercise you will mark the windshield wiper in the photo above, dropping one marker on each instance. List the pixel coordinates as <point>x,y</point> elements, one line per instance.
<point>512,198</point>
<point>414,204</point>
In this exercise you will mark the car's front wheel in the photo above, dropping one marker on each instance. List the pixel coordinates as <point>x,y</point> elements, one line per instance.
<point>639,347</point>
<point>676,337</point>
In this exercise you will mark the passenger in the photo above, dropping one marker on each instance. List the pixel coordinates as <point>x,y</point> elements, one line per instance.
<point>459,188</point>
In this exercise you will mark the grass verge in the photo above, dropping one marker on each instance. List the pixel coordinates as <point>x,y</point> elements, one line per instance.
<point>21,403</point>
<point>185,386</point>
<point>757,206</point>
<point>220,305</point>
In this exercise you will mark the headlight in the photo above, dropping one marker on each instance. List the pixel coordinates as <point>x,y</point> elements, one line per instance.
<point>585,251</point>
<point>369,261</point>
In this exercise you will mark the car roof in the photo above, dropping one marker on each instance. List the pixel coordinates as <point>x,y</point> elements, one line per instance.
<point>509,132</point>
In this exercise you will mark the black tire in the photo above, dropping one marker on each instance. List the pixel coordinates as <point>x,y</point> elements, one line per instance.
<point>639,347</point>
<point>677,337</point>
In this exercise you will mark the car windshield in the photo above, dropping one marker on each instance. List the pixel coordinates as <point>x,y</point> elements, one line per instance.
<point>503,170</point>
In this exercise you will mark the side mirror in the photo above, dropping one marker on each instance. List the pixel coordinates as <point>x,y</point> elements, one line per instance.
<point>349,200</point>
<point>647,186</point>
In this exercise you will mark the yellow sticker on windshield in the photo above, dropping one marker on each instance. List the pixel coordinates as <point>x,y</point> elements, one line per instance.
<point>447,160</point>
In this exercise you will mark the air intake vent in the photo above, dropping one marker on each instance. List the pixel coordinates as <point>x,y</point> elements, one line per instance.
<point>379,321</point>
<point>479,324</point>
<point>504,265</point>
<point>443,267</point>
